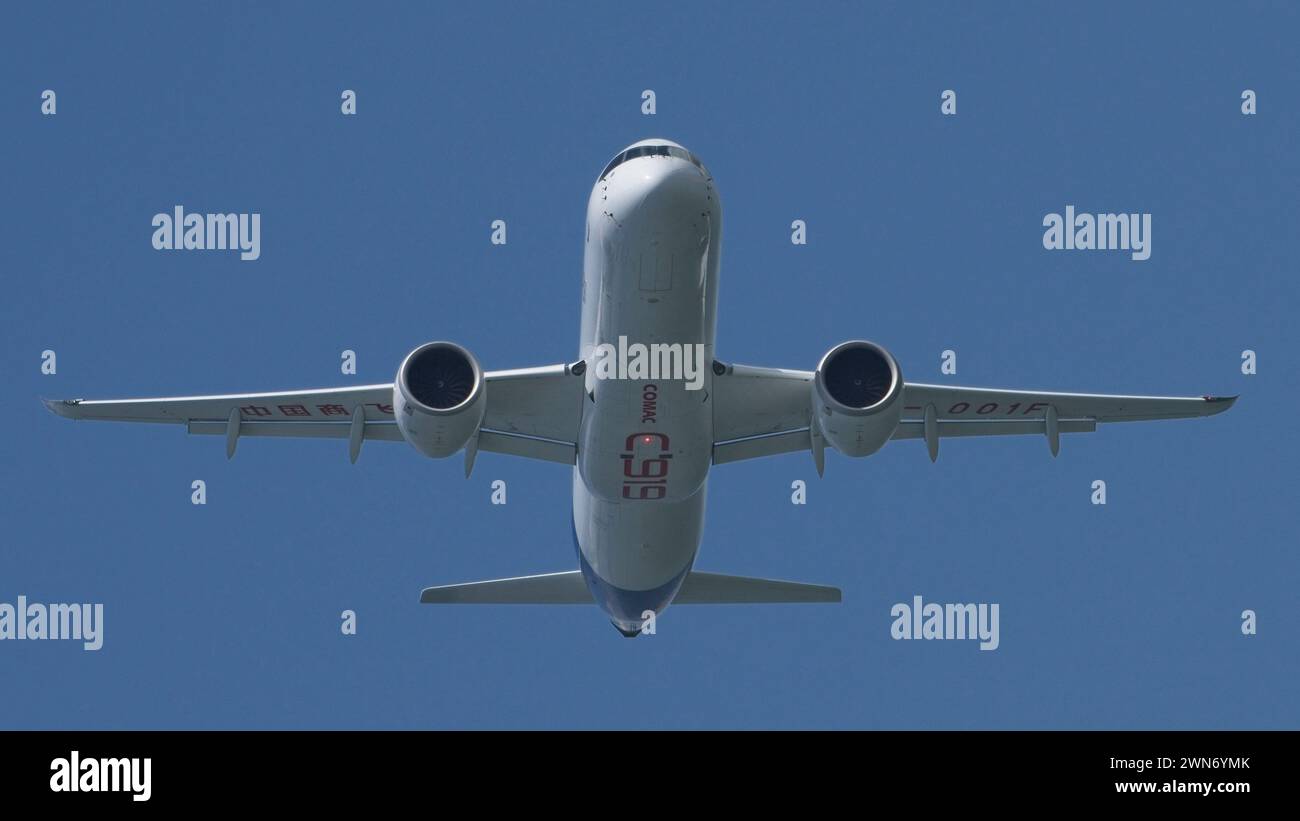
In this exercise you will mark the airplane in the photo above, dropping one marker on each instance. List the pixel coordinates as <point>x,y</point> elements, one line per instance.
<point>641,450</point>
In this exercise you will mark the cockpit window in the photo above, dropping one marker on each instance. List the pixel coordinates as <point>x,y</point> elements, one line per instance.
<point>653,151</point>
<point>617,159</point>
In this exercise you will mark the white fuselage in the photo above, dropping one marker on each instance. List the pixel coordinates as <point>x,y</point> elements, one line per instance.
<point>650,275</point>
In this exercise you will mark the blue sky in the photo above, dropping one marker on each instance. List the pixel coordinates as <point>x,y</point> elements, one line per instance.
<point>924,234</point>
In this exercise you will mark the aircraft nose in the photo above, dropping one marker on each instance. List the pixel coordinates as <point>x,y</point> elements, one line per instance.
<point>664,187</point>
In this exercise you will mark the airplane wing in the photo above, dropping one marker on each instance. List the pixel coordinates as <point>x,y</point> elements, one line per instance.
<point>531,412</point>
<point>766,411</point>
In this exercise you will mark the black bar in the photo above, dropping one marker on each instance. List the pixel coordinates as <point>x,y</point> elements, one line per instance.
<point>333,768</point>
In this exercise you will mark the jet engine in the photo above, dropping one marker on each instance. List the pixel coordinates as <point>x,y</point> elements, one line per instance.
<point>856,397</point>
<point>438,398</point>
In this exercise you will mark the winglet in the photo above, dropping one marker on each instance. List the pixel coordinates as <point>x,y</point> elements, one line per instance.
<point>61,407</point>
<point>1219,404</point>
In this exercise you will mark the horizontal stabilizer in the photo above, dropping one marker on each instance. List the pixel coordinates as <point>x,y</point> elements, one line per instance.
<point>548,588</point>
<point>570,588</point>
<point>715,588</point>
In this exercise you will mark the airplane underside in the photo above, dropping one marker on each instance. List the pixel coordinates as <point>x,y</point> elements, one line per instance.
<point>641,442</point>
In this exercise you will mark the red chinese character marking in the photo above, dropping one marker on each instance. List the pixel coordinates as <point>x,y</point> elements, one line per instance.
<point>255,410</point>
<point>294,410</point>
<point>332,410</point>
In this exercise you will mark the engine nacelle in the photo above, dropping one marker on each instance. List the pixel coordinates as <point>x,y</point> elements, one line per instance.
<point>438,398</point>
<point>856,397</point>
